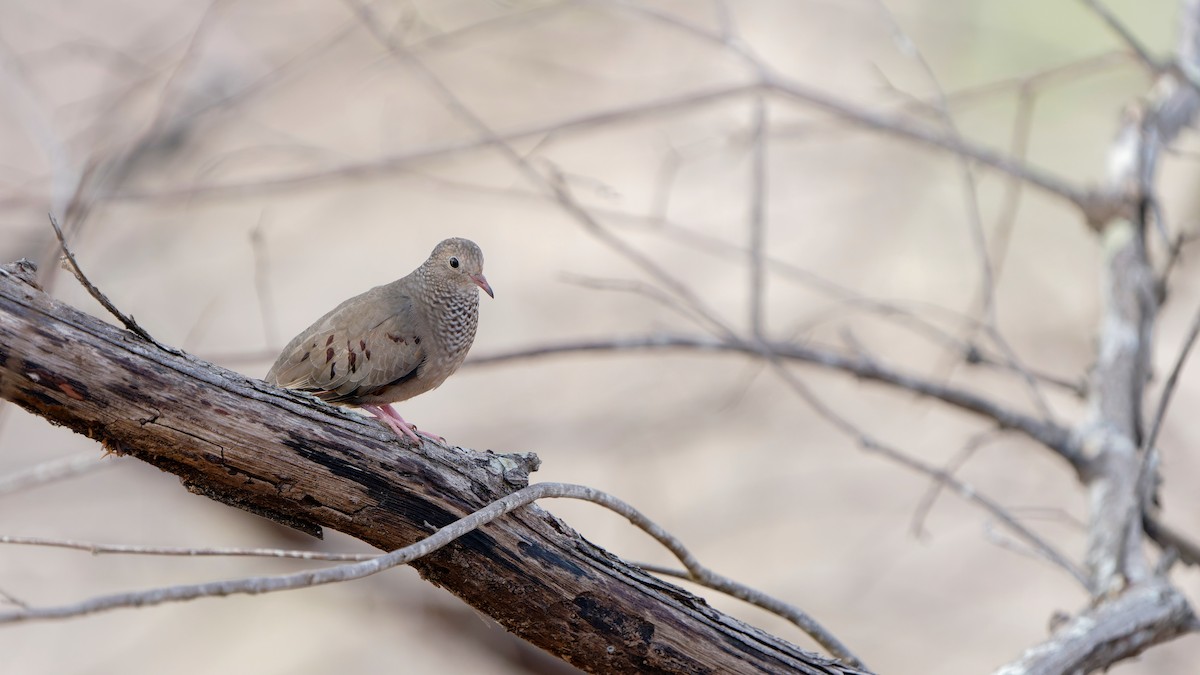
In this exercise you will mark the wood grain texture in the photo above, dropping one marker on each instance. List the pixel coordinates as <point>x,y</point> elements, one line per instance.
<point>278,453</point>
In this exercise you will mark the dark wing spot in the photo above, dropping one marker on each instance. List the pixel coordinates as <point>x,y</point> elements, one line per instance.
<point>367,353</point>
<point>328,354</point>
<point>396,338</point>
<point>332,371</point>
<point>353,358</point>
<point>416,340</point>
<point>329,341</point>
<point>306,355</point>
<point>362,345</point>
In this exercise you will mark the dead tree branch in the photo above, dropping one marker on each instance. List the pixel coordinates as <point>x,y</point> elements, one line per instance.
<point>1053,436</point>
<point>281,455</point>
<point>1137,607</point>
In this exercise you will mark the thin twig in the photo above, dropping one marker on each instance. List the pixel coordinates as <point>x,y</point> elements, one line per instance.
<point>1171,540</point>
<point>262,288</point>
<point>1125,34</point>
<point>1014,189</point>
<point>555,184</point>
<point>1164,399</point>
<point>749,595</point>
<point>891,311</point>
<point>710,580</point>
<point>186,552</point>
<point>987,276</point>
<point>407,554</point>
<point>380,168</point>
<point>935,486</point>
<point>908,47</point>
<point>128,321</point>
<point>958,486</point>
<point>758,198</point>
<point>51,471</point>
<point>1053,436</point>
<point>639,288</point>
<point>865,118</point>
<point>1148,470</point>
<point>12,599</point>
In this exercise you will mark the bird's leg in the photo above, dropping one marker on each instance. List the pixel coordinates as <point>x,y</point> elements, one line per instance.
<point>393,419</point>
<point>391,413</point>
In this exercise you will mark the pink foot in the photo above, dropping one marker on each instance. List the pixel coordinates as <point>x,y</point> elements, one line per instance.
<point>393,419</point>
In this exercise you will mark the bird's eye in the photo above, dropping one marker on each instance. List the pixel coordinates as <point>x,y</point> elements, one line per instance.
<point>454,263</point>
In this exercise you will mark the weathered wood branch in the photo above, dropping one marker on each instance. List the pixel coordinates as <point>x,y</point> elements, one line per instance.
<point>1136,605</point>
<point>243,442</point>
<point>1145,615</point>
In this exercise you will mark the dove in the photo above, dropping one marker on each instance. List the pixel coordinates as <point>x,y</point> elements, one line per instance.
<point>394,341</point>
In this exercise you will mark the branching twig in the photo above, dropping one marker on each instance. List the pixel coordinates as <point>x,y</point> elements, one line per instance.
<point>958,486</point>
<point>407,554</point>
<point>987,276</point>
<point>935,487</point>
<point>1051,435</point>
<point>709,580</point>
<point>896,126</point>
<point>754,597</point>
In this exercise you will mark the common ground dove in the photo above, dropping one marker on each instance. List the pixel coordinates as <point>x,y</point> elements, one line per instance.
<point>394,341</point>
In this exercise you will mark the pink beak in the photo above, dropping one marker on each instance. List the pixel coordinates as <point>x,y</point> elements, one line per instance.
<point>482,283</point>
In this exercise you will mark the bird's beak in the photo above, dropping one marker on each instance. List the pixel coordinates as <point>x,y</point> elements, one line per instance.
<point>482,283</point>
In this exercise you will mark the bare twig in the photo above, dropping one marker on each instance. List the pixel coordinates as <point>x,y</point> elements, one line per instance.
<point>11,599</point>
<point>888,124</point>
<point>987,277</point>
<point>758,199</point>
<point>1148,472</point>
<point>754,597</point>
<point>709,580</point>
<point>407,554</point>
<point>910,318</point>
<point>1018,148</point>
<point>1171,540</point>
<point>383,166</point>
<point>128,321</point>
<point>52,471</point>
<point>186,552</point>
<point>640,288</point>
<point>262,289</point>
<point>1051,435</point>
<point>935,487</point>
<point>1123,32</point>
<point>958,486</point>
<point>1164,398</point>
<point>970,190</point>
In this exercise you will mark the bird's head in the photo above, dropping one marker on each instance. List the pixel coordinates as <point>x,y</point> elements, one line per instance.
<point>458,262</point>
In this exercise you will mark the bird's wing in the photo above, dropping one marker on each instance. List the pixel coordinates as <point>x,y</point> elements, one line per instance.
<point>364,345</point>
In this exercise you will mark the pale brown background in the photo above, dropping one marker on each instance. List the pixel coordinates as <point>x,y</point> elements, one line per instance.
<point>720,453</point>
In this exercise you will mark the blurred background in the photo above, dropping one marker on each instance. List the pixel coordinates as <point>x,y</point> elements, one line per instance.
<point>228,171</point>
